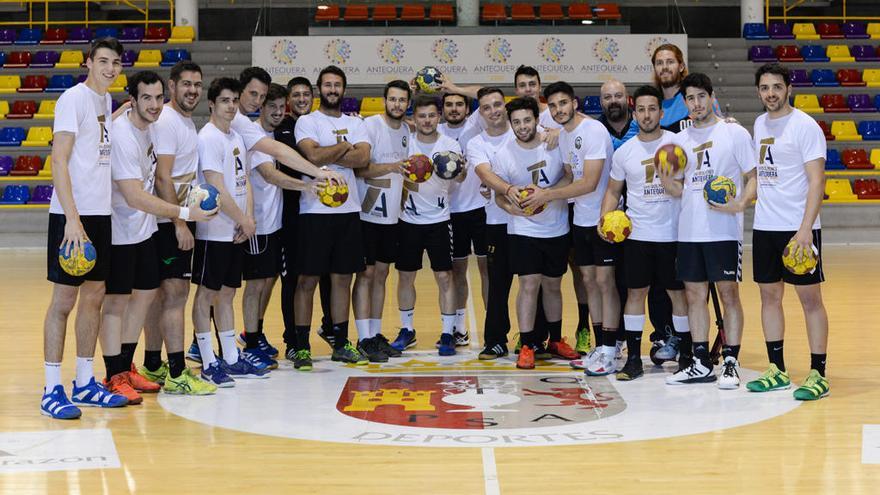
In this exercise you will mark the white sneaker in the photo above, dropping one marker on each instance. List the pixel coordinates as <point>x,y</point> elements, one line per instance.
<point>728,379</point>
<point>604,365</point>
<point>619,356</point>
<point>584,362</point>
<point>695,373</point>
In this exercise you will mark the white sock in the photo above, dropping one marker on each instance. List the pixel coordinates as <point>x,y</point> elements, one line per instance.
<point>206,348</point>
<point>459,321</point>
<point>680,323</point>
<point>84,371</point>
<point>447,323</point>
<point>634,323</point>
<point>227,345</point>
<point>363,329</point>
<point>375,326</point>
<point>53,375</point>
<point>406,318</point>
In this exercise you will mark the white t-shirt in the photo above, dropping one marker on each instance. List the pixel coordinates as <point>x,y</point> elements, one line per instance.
<point>176,135</point>
<point>268,201</point>
<point>86,114</point>
<point>784,145</point>
<point>132,157</point>
<point>380,196</point>
<point>222,153</point>
<point>480,150</point>
<point>428,202</point>
<point>520,167</point>
<point>654,213</point>
<point>327,131</point>
<point>721,149</point>
<point>465,195</point>
<point>545,120</point>
<point>244,127</point>
<point>588,141</point>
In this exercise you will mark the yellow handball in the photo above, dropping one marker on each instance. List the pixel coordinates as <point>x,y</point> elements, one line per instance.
<point>615,226</point>
<point>802,262</point>
<point>333,194</point>
<point>525,193</point>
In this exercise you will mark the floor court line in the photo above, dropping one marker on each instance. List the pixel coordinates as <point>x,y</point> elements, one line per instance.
<point>490,472</point>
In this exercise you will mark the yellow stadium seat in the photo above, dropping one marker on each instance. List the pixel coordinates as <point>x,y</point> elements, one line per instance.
<point>46,171</point>
<point>509,98</point>
<point>372,106</point>
<point>875,158</point>
<point>46,110</point>
<point>808,103</point>
<point>182,34</point>
<point>839,53</point>
<point>119,84</point>
<point>70,59</point>
<point>4,109</point>
<point>38,136</point>
<point>148,58</point>
<point>845,130</point>
<point>874,30</point>
<point>316,102</point>
<point>839,190</point>
<point>9,84</point>
<point>872,77</point>
<point>804,31</point>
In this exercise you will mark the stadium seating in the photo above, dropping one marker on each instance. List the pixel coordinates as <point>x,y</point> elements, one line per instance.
<point>761,53</point>
<point>384,12</point>
<point>34,84</point>
<point>807,103</point>
<point>839,53</point>
<point>580,11</point>
<point>356,12</point>
<point>522,12</point>
<point>11,136</point>
<point>22,109</point>
<point>171,57</point>
<point>119,84</point>
<point>45,59</point>
<point>856,159</point>
<point>799,77</point>
<point>441,12</point>
<point>29,36</point>
<point>493,12</point>
<point>70,59</point>
<point>7,36</point>
<point>871,77</point>
<point>42,194</point>
<point>15,194</point>
<point>814,53</point>
<point>826,130</point>
<point>867,188</point>
<point>39,136</point>
<point>551,11</point>
<point>106,32</point>
<point>839,190</point>
<point>845,130</point>
<point>874,30</point>
<point>182,34</point>
<point>46,110</point>
<point>372,106</point>
<point>607,11</point>
<point>156,34</point>
<point>59,83</point>
<point>823,77</point>
<point>860,103</point>
<point>864,53</point>
<point>833,103</point>
<point>133,34</point>
<point>592,106</point>
<point>412,12</point>
<point>829,31</point>
<point>79,36</point>
<point>805,31</point>
<point>788,53</point>
<point>849,77</point>
<point>327,13</point>
<point>26,165</point>
<point>2,58</point>
<point>128,58</point>
<point>870,130</point>
<point>855,30</point>
<point>9,84</point>
<point>832,160</point>
<point>780,31</point>
<point>149,58</point>
<point>54,36</point>
<point>17,60</point>
<point>4,109</point>
<point>875,158</point>
<point>350,105</point>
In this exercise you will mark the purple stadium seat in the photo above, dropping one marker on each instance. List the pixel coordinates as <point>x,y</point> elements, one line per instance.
<point>129,57</point>
<point>861,103</point>
<point>761,53</point>
<point>799,77</point>
<point>780,31</point>
<point>855,31</point>
<point>42,195</point>
<point>79,36</point>
<point>350,105</point>
<point>864,53</point>
<point>45,59</point>
<point>132,34</point>
<point>7,36</point>
<point>81,78</point>
<point>6,164</point>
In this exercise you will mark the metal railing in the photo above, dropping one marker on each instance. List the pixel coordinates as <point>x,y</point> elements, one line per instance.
<point>789,5</point>
<point>34,7</point>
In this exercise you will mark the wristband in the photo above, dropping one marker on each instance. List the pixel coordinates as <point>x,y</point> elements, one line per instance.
<point>183,214</point>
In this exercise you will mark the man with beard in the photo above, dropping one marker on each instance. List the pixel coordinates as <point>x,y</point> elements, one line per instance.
<point>330,239</point>
<point>669,71</point>
<point>380,185</point>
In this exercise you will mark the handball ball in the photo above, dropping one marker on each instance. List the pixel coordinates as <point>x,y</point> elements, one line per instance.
<point>801,264</point>
<point>670,156</point>
<point>719,190</point>
<point>525,193</point>
<point>206,196</point>
<point>615,226</point>
<point>427,79</point>
<point>333,194</point>
<point>78,264</point>
<point>448,164</point>
<point>419,168</point>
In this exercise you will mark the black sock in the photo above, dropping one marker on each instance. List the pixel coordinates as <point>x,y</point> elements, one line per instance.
<point>302,338</point>
<point>701,352</point>
<point>152,360</point>
<point>176,363</point>
<point>685,348</point>
<point>774,353</point>
<point>111,364</point>
<point>597,333</point>
<point>127,355</point>
<point>527,338</point>
<point>251,340</point>
<point>555,329</point>
<point>609,337</point>
<point>634,345</point>
<point>340,334</point>
<point>621,334</point>
<point>583,316</point>
<point>817,362</point>
<point>260,326</point>
<point>730,350</point>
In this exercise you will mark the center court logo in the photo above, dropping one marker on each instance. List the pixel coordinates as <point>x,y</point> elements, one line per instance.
<point>391,51</point>
<point>445,50</point>
<point>498,50</point>
<point>284,52</point>
<point>338,51</point>
<point>552,50</point>
<point>606,49</point>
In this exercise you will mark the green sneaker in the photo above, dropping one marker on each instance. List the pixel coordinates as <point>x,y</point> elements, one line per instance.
<point>583,345</point>
<point>188,384</point>
<point>815,387</point>
<point>772,379</point>
<point>348,354</point>
<point>302,360</point>
<point>157,376</point>
<point>518,345</point>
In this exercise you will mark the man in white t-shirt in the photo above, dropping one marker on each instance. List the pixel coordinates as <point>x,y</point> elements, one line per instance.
<point>80,211</point>
<point>710,235</point>
<point>651,247</point>
<point>791,182</point>
<point>380,185</point>
<point>217,259</point>
<point>330,238</point>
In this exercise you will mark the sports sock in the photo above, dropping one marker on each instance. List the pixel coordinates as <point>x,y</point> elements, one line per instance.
<point>527,338</point>
<point>406,318</point>
<point>53,375</point>
<point>84,371</point>
<point>459,321</point>
<point>701,352</point>
<point>127,355</point>
<point>609,336</point>
<point>152,360</point>
<point>555,330</point>
<point>206,348</point>
<point>683,331</point>
<point>260,326</point>
<point>375,326</point>
<point>730,350</point>
<point>176,364</point>
<point>634,325</point>
<point>340,334</point>
<point>112,365</point>
<point>227,346</point>
<point>447,323</point>
<point>597,333</point>
<point>775,354</point>
<point>621,335</point>
<point>363,329</point>
<point>817,362</point>
<point>251,340</point>
<point>302,338</point>
<point>583,316</point>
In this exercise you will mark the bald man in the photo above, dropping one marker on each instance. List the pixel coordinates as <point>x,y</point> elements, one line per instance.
<point>616,116</point>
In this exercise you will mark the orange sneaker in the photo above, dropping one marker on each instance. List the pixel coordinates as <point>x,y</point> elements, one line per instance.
<point>526,359</point>
<point>140,383</point>
<point>562,350</point>
<point>119,384</point>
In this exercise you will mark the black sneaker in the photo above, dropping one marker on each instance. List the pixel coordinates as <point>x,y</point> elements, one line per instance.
<point>494,352</point>
<point>385,346</point>
<point>302,359</point>
<point>327,335</point>
<point>631,370</point>
<point>348,354</point>
<point>370,349</point>
<point>542,353</point>
<point>461,340</point>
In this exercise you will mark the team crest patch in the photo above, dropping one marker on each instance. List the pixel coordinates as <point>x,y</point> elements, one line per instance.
<point>578,142</point>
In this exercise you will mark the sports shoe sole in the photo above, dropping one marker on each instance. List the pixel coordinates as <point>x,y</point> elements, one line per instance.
<point>732,386</point>
<point>775,389</point>
<point>690,381</point>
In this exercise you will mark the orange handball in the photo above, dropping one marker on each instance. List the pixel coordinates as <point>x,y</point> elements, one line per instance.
<point>670,157</point>
<point>333,194</point>
<point>419,168</point>
<point>525,193</point>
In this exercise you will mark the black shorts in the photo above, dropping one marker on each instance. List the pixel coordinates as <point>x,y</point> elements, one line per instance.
<point>379,242</point>
<point>217,264</point>
<point>435,238</point>
<point>469,229</point>
<point>536,255</point>
<point>767,248</point>
<point>650,264</point>
<point>329,243</point>
<point>590,249</point>
<point>97,228</point>
<point>719,261</point>
<point>173,263</point>
<point>262,256</point>
<point>133,266</point>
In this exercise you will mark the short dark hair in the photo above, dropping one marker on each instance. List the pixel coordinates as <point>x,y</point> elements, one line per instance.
<point>336,71</point>
<point>257,73</point>
<point>647,90</point>
<point>298,81</point>
<point>526,70</point>
<point>488,90</point>
<point>146,77</point>
<point>696,80</point>
<point>773,68</point>
<point>559,87</point>
<point>181,67</point>
<point>221,83</point>
<point>467,101</point>
<point>398,84</point>
<point>526,103</point>
<point>109,43</point>
<point>275,92</point>
<point>425,101</point>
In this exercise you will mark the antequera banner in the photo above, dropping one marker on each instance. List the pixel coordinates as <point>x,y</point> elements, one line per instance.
<point>481,59</point>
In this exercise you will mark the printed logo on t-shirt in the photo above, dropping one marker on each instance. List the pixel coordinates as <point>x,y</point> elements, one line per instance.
<point>341,135</point>
<point>103,143</point>
<point>653,191</point>
<point>404,141</point>
<point>408,204</point>
<point>768,174</point>
<point>240,177</point>
<point>151,177</point>
<point>538,175</point>
<point>704,166</point>
<point>578,142</point>
<point>374,202</point>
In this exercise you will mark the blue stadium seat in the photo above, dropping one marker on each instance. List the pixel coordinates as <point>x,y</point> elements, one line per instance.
<point>173,56</point>
<point>15,194</point>
<point>824,77</point>
<point>29,36</point>
<point>58,83</point>
<point>12,136</point>
<point>814,53</point>
<point>755,31</point>
<point>592,105</point>
<point>832,160</point>
<point>870,130</point>
<point>106,32</point>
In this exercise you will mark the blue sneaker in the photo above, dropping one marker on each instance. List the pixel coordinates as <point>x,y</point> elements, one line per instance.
<point>264,344</point>
<point>56,405</point>
<point>258,358</point>
<point>95,395</point>
<point>244,369</point>
<point>405,339</point>
<point>447,344</point>
<point>193,354</point>
<point>216,374</point>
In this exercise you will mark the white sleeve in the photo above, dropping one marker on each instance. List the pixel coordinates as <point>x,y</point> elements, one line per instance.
<point>67,114</point>
<point>166,136</point>
<point>210,153</point>
<point>306,128</point>
<point>744,148</point>
<point>595,146</point>
<point>499,165</point>
<point>812,141</point>
<point>124,157</point>
<point>358,132</point>
<point>257,158</point>
<point>618,172</point>
<point>476,153</point>
<point>249,133</point>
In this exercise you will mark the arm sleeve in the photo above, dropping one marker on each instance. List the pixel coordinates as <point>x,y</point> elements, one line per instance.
<point>248,131</point>
<point>476,154</point>
<point>306,128</point>
<point>166,136</point>
<point>358,132</point>
<point>210,153</point>
<point>812,141</point>
<point>498,161</point>
<point>595,144</point>
<point>617,170</point>
<point>124,157</point>
<point>744,147</point>
<point>66,115</point>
